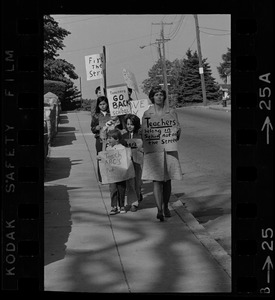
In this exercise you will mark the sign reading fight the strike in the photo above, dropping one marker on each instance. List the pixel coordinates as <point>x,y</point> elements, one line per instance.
<point>159,133</point>
<point>94,66</point>
<point>118,100</point>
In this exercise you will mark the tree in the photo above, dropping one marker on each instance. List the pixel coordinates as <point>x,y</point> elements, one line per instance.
<point>224,68</point>
<point>56,87</point>
<point>155,76</point>
<point>185,80</point>
<point>53,37</point>
<point>59,69</point>
<point>189,88</point>
<point>56,69</point>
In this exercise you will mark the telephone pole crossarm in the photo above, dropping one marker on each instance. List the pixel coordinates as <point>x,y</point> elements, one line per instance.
<point>162,41</point>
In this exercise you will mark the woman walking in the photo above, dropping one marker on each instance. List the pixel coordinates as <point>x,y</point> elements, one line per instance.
<point>161,165</point>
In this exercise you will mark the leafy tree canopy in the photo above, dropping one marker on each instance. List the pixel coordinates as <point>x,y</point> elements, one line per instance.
<point>53,37</point>
<point>184,79</point>
<point>56,69</point>
<point>224,69</point>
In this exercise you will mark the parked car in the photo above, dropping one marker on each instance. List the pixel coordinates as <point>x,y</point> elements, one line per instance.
<point>46,140</point>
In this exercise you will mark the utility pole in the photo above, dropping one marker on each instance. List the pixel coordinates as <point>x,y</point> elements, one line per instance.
<point>162,40</point>
<point>105,71</point>
<point>80,91</point>
<point>200,61</point>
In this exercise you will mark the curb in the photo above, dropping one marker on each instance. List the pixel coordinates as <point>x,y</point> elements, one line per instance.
<point>214,248</point>
<point>228,109</point>
<point>220,108</point>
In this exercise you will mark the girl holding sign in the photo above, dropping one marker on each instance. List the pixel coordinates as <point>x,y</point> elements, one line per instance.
<point>133,140</point>
<point>99,119</point>
<point>160,132</point>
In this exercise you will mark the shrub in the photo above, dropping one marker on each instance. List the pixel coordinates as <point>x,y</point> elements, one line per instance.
<point>56,87</point>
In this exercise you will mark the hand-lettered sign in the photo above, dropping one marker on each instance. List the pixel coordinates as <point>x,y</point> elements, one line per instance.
<point>118,100</point>
<point>94,66</point>
<point>103,120</point>
<point>159,133</point>
<point>136,146</point>
<point>138,107</point>
<point>116,165</point>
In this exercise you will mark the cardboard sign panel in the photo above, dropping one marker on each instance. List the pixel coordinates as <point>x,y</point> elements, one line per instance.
<point>104,120</point>
<point>94,66</point>
<point>115,165</point>
<point>159,133</point>
<point>130,79</point>
<point>118,100</point>
<point>138,107</point>
<point>134,144</point>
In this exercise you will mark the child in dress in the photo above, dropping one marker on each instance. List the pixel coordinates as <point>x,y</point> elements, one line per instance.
<point>133,136</point>
<point>117,189</point>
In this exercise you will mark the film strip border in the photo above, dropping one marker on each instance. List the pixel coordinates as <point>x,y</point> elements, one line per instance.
<point>22,171</point>
<point>252,149</point>
<point>252,145</point>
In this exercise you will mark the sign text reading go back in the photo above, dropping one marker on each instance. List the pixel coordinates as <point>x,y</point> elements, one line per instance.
<point>118,100</point>
<point>94,66</point>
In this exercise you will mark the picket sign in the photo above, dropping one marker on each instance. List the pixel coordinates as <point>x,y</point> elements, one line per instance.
<point>138,107</point>
<point>94,66</point>
<point>130,79</point>
<point>116,165</point>
<point>118,100</point>
<point>136,146</point>
<point>159,133</point>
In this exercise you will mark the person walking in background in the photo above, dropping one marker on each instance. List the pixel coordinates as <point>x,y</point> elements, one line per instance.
<point>133,139</point>
<point>98,92</point>
<point>117,189</point>
<point>100,117</point>
<point>161,173</point>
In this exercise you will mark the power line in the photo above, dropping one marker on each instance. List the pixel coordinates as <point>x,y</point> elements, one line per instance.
<point>76,21</point>
<point>177,28</point>
<point>172,22</point>
<point>119,42</point>
<point>192,43</point>
<point>215,34</point>
<point>214,29</point>
<point>65,16</point>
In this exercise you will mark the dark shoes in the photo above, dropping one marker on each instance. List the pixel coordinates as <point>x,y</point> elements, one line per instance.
<point>160,217</point>
<point>133,208</point>
<point>167,213</point>
<point>122,210</point>
<point>114,211</point>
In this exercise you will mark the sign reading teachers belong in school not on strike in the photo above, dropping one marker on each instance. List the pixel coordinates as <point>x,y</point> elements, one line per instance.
<point>118,100</point>
<point>159,133</point>
<point>94,66</point>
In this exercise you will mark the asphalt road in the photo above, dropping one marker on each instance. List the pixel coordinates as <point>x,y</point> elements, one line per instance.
<point>205,155</point>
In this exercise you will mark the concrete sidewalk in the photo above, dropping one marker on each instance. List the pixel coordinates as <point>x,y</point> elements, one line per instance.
<point>87,250</point>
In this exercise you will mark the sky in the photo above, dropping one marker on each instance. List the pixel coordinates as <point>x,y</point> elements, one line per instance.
<point>123,35</point>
